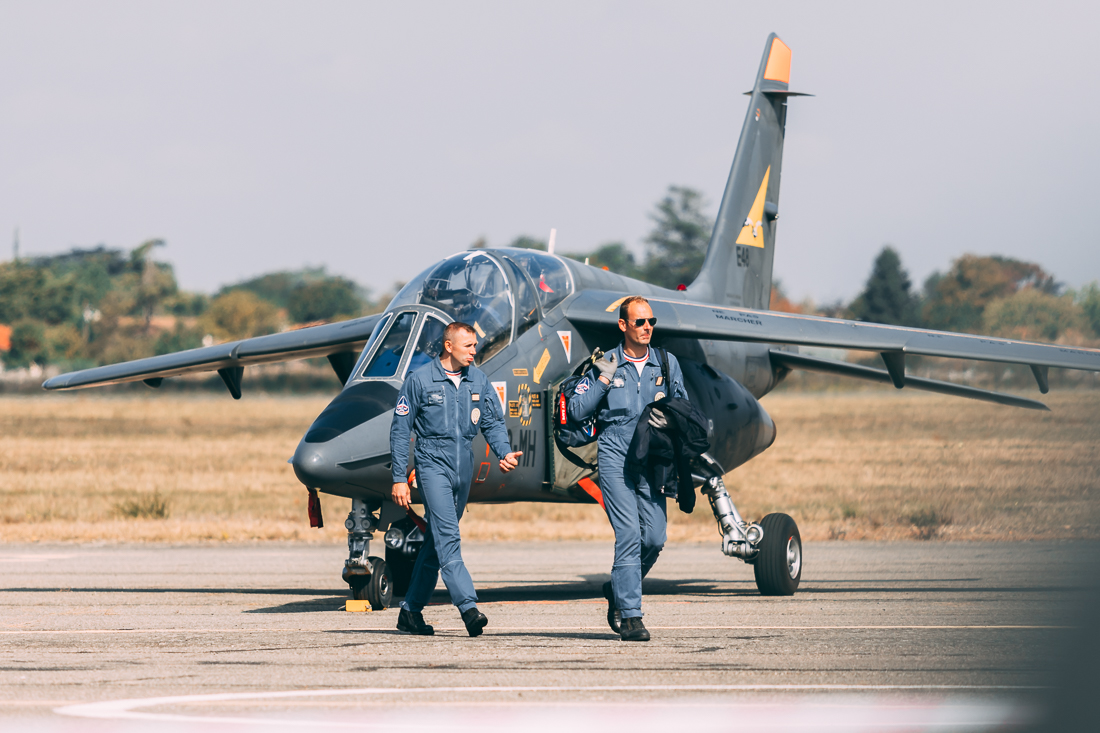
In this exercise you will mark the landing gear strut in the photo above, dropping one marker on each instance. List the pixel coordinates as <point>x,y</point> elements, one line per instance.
<point>773,547</point>
<point>368,577</point>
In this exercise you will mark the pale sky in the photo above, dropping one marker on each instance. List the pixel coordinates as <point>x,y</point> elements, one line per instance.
<point>374,138</point>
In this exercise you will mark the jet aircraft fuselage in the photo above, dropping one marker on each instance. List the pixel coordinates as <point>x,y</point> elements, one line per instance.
<point>514,298</point>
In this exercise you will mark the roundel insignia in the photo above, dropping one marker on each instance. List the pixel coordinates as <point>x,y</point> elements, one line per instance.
<point>658,396</point>
<point>402,408</point>
<point>475,415</point>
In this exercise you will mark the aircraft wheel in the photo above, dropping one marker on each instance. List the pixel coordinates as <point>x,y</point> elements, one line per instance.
<point>358,587</point>
<point>379,590</point>
<point>778,566</point>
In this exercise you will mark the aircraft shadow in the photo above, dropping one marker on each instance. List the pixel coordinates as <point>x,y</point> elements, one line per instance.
<point>315,600</point>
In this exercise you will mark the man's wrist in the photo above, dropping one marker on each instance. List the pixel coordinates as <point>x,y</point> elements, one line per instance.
<point>603,379</point>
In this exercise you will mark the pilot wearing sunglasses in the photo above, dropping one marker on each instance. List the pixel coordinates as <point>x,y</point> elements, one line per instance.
<point>630,378</point>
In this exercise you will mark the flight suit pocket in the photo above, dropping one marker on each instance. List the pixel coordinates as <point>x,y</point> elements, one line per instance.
<point>618,401</point>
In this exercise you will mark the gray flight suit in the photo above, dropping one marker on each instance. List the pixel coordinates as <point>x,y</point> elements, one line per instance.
<point>636,511</point>
<point>445,419</point>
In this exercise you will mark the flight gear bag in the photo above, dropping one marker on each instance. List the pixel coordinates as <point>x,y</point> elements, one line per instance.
<point>569,432</point>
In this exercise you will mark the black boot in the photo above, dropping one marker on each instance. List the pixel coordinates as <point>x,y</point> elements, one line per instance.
<point>633,630</point>
<point>475,621</point>
<point>412,622</point>
<point>613,619</point>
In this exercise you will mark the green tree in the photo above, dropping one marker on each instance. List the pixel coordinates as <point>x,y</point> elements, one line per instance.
<point>678,242</point>
<point>27,291</point>
<point>239,314</point>
<point>613,256</point>
<point>28,344</point>
<point>180,338</point>
<point>525,242</point>
<point>156,282</point>
<point>955,300</point>
<point>1089,300</point>
<point>325,300</point>
<point>886,298</point>
<point>1032,315</point>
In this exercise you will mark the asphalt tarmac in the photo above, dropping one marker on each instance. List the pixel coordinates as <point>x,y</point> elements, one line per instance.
<point>937,636</point>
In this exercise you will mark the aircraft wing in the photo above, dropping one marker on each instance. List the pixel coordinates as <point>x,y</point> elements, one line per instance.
<point>337,341</point>
<point>704,321</point>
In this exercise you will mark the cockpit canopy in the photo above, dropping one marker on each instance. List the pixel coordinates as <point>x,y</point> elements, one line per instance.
<point>500,293</point>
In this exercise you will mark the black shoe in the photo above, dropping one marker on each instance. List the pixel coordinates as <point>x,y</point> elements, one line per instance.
<point>633,630</point>
<point>613,619</point>
<point>475,621</point>
<point>412,622</point>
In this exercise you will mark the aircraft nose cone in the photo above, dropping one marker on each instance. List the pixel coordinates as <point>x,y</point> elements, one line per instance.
<point>310,464</point>
<point>348,443</point>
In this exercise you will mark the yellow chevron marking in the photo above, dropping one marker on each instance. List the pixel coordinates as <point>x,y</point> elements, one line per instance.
<point>544,361</point>
<point>617,303</point>
<point>752,233</point>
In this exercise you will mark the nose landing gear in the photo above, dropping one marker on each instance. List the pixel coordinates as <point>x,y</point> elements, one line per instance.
<point>368,577</point>
<point>773,547</point>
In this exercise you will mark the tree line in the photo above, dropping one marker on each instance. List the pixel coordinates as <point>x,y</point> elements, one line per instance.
<point>99,306</point>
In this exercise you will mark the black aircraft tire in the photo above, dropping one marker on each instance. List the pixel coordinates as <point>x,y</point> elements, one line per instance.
<point>358,585</point>
<point>379,591</point>
<point>401,570</point>
<point>778,567</point>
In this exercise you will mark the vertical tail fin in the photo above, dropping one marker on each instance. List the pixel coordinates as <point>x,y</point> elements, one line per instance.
<point>738,266</point>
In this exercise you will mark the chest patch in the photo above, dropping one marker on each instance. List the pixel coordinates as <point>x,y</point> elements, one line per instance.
<point>659,396</point>
<point>435,398</point>
<point>618,382</point>
<point>475,397</point>
<point>475,415</point>
<point>402,408</point>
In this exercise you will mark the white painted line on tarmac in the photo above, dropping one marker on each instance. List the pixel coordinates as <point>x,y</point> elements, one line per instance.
<point>130,709</point>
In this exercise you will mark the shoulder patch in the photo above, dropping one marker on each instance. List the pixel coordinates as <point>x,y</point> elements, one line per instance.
<point>402,408</point>
<point>582,386</point>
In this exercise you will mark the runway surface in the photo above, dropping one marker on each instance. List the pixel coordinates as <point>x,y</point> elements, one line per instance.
<point>934,636</point>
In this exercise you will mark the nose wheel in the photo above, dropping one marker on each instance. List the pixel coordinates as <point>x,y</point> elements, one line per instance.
<point>375,587</point>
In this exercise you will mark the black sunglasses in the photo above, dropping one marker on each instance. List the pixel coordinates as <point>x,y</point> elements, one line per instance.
<point>637,323</point>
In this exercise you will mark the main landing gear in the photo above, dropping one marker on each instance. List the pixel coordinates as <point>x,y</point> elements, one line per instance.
<point>773,547</point>
<point>373,579</point>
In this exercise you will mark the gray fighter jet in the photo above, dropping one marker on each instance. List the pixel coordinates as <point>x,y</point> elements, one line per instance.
<point>538,317</point>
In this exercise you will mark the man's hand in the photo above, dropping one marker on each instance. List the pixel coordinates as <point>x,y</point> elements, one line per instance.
<point>401,495</point>
<point>509,462</point>
<point>657,419</point>
<point>607,367</point>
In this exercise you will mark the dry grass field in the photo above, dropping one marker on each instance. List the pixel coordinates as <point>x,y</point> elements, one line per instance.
<point>865,464</point>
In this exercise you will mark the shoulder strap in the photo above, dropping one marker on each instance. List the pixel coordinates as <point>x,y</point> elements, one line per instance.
<point>664,370</point>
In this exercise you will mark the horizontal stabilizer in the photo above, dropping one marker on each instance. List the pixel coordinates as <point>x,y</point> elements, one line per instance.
<point>303,343</point>
<point>802,362</point>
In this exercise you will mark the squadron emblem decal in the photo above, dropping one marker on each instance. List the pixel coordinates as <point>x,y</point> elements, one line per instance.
<point>582,386</point>
<point>402,408</point>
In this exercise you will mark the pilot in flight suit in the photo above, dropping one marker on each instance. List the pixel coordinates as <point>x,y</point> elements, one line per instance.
<point>446,409</point>
<point>625,387</point>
